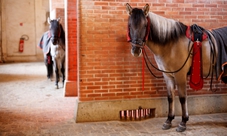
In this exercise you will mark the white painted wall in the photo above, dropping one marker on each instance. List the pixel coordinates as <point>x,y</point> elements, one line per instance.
<point>23,17</point>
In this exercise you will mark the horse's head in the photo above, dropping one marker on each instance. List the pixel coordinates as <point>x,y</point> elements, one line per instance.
<point>55,30</point>
<point>138,28</point>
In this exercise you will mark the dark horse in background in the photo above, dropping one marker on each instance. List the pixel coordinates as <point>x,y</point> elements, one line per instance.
<point>53,45</point>
<point>173,52</point>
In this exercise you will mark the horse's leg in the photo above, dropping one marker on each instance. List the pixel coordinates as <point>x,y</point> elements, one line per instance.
<point>63,71</point>
<point>56,72</point>
<point>170,90</point>
<point>50,67</point>
<point>47,65</point>
<point>181,83</point>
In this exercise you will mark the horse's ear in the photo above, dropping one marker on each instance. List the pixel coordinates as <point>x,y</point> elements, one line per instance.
<point>59,19</point>
<point>128,9</point>
<point>48,20</point>
<point>146,9</point>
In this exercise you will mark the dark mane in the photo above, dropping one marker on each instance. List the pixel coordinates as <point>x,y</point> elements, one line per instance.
<point>62,36</point>
<point>165,30</point>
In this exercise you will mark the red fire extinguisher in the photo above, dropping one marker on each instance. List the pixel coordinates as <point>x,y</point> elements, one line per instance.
<point>21,43</point>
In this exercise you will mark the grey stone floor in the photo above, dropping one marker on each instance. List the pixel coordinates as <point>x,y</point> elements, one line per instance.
<point>31,106</point>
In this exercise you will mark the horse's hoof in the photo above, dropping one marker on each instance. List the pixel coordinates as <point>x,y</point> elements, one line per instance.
<point>56,86</point>
<point>181,128</point>
<point>166,126</point>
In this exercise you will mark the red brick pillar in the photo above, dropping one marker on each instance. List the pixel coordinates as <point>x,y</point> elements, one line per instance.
<point>71,86</point>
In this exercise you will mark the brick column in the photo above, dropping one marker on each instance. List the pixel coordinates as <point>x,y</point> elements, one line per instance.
<point>71,86</point>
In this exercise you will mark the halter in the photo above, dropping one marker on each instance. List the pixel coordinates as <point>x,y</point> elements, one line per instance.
<point>146,35</point>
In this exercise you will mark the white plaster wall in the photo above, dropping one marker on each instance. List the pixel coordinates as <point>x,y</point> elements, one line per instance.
<point>23,17</point>
<point>42,12</point>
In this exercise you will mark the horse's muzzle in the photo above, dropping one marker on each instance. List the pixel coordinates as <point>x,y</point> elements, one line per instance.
<point>136,49</point>
<point>54,41</point>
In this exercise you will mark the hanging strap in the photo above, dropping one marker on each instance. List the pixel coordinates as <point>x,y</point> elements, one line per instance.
<point>196,80</point>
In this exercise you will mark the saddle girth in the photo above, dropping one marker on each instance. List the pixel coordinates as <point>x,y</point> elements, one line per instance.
<point>196,35</point>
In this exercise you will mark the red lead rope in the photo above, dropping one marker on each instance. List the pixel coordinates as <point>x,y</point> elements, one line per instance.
<point>143,61</point>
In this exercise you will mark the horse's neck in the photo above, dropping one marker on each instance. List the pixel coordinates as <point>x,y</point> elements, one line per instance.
<point>164,34</point>
<point>168,50</point>
<point>164,30</point>
<point>156,49</point>
<point>161,25</point>
<point>62,37</point>
<point>61,42</point>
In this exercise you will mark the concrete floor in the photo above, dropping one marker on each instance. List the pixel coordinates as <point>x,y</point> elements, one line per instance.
<point>31,106</point>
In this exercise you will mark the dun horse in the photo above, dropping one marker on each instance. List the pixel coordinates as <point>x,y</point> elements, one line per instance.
<point>173,52</point>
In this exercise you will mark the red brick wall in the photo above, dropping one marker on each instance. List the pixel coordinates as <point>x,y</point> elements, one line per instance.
<point>72,39</point>
<point>107,69</point>
<point>71,84</point>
